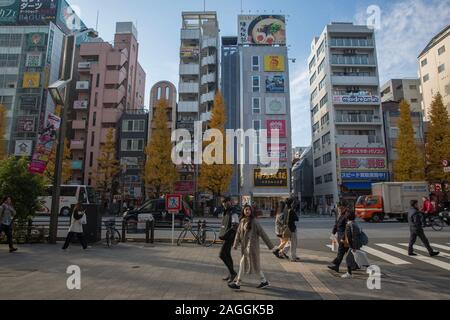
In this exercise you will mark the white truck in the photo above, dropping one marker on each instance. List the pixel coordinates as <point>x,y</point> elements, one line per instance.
<point>390,200</point>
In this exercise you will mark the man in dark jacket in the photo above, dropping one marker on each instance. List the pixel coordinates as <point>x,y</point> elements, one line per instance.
<point>416,221</point>
<point>339,232</point>
<point>230,223</point>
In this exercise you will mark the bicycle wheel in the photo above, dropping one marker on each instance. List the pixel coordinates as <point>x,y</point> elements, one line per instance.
<point>437,225</point>
<point>181,237</point>
<point>115,237</point>
<point>208,237</point>
<point>108,238</point>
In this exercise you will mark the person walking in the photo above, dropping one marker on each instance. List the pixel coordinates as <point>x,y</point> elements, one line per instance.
<point>292,225</point>
<point>248,234</point>
<point>77,220</point>
<point>280,225</point>
<point>230,222</point>
<point>7,213</point>
<point>339,232</point>
<point>353,243</point>
<point>416,221</point>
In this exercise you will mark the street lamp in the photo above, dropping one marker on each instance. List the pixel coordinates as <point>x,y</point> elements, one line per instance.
<point>59,91</point>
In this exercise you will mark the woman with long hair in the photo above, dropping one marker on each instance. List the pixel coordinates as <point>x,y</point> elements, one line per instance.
<point>248,234</point>
<point>7,213</point>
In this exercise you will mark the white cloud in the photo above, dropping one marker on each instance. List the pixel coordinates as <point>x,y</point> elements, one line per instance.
<point>301,123</point>
<point>406,28</point>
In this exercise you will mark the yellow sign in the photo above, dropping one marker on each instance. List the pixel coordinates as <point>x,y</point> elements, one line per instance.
<point>31,80</point>
<point>274,64</point>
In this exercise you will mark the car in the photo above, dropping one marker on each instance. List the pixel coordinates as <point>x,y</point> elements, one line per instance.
<point>156,209</point>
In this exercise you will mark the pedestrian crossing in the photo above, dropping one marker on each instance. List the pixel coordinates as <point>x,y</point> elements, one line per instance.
<point>395,254</point>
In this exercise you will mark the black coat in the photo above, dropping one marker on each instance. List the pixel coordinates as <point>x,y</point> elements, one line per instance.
<point>352,233</point>
<point>292,219</point>
<point>228,229</point>
<point>340,226</point>
<point>416,220</point>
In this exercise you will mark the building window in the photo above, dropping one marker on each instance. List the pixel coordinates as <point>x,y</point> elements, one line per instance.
<point>321,48</point>
<point>324,100</point>
<point>318,180</point>
<point>412,87</point>
<point>313,78</point>
<point>317,145</point>
<point>133,126</point>
<point>314,94</point>
<point>326,139</point>
<point>426,78</point>
<point>256,105</point>
<point>94,119</point>
<point>9,60</point>
<point>322,83</point>
<point>424,62</point>
<point>255,83</point>
<point>414,100</point>
<point>321,66</point>
<point>316,127</point>
<point>92,138</point>
<point>257,125</point>
<point>96,99</point>
<point>312,63</point>
<point>158,95</point>
<point>441,68</point>
<point>327,158</point>
<point>315,110</point>
<point>441,50</point>
<point>91,159</point>
<point>97,82</point>
<point>328,178</point>
<point>167,93</point>
<point>325,119</point>
<point>317,162</point>
<point>255,63</point>
<point>132,145</point>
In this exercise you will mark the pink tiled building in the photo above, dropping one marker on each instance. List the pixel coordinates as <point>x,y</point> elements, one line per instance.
<point>110,80</point>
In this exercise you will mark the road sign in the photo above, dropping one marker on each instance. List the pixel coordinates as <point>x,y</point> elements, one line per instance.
<point>173,203</point>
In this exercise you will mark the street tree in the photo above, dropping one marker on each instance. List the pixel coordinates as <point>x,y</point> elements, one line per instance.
<point>160,173</point>
<point>3,124</point>
<point>438,143</point>
<point>22,186</point>
<point>66,167</point>
<point>409,165</point>
<point>215,173</point>
<point>108,167</point>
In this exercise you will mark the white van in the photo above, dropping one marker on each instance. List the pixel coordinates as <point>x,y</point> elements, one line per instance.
<point>70,195</point>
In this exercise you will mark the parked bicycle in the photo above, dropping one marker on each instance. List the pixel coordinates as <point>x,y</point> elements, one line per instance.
<point>203,235</point>
<point>112,234</point>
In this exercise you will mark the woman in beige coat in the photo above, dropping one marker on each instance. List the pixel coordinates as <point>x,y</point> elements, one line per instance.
<point>248,234</point>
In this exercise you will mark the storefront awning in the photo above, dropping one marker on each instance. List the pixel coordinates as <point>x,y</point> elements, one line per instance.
<point>357,185</point>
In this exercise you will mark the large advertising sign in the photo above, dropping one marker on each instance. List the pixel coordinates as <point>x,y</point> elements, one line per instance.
<point>363,163</point>
<point>279,125</point>
<point>262,29</point>
<point>68,19</point>
<point>190,52</point>
<point>9,12</point>
<point>362,151</point>
<point>37,12</point>
<point>277,180</point>
<point>29,102</point>
<point>278,151</point>
<point>356,99</point>
<point>276,105</point>
<point>274,64</point>
<point>275,84</point>
<point>34,60</point>
<point>372,176</point>
<point>31,80</point>
<point>44,145</point>
<point>23,148</point>
<point>26,124</point>
<point>35,39</point>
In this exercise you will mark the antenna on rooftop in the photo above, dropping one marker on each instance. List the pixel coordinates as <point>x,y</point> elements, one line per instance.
<point>204,5</point>
<point>242,10</point>
<point>96,25</point>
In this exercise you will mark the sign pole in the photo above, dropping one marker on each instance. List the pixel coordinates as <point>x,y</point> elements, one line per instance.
<point>173,228</point>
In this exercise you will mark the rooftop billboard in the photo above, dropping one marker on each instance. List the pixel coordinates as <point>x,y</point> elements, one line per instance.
<point>262,29</point>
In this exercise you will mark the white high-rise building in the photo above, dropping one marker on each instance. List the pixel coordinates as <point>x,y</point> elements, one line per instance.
<point>347,128</point>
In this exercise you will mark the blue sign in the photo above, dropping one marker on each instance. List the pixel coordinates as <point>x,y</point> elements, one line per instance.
<point>372,176</point>
<point>275,84</point>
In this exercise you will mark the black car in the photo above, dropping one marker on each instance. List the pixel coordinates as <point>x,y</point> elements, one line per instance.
<point>157,209</point>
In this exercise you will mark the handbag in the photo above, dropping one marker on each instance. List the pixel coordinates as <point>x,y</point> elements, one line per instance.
<point>84,218</point>
<point>361,258</point>
<point>334,244</point>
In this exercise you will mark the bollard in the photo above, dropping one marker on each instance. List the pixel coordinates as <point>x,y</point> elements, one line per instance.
<point>152,238</point>
<point>124,234</point>
<point>147,231</point>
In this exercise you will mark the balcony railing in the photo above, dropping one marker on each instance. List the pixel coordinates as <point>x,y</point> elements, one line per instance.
<point>188,106</point>
<point>351,42</point>
<point>357,118</point>
<point>189,69</point>
<point>84,65</point>
<point>79,124</point>
<point>82,85</point>
<point>208,60</point>
<point>208,78</point>
<point>355,60</point>
<point>207,97</point>
<point>188,34</point>
<point>209,42</point>
<point>188,87</point>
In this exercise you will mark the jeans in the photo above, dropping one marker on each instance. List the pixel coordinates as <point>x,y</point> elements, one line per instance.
<point>341,254</point>
<point>80,238</point>
<point>414,235</point>
<point>8,232</point>
<point>225,256</point>
<point>241,272</point>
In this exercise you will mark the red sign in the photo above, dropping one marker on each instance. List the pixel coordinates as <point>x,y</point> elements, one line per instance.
<point>363,151</point>
<point>279,125</point>
<point>173,203</point>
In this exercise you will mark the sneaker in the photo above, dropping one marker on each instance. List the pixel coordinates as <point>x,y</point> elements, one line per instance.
<point>277,254</point>
<point>434,254</point>
<point>13,250</point>
<point>264,285</point>
<point>347,276</point>
<point>234,286</point>
<point>334,268</point>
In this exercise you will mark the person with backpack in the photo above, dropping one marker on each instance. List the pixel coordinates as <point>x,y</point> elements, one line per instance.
<point>77,220</point>
<point>7,213</point>
<point>416,221</point>
<point>353,243</point>
<point>339,233</point>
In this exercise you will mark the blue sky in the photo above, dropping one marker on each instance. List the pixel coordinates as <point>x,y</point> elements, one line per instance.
<point>406,27</point>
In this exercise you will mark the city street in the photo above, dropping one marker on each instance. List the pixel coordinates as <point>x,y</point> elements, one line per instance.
<point>162,271</point>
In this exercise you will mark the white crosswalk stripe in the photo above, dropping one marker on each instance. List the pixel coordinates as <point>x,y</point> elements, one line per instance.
<point>432,261</point>
<point>384,256</point>
<point>440,246</point>
<point>423,249</point>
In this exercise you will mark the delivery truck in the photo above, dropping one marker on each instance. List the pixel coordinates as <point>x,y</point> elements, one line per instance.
<point>390,200</point>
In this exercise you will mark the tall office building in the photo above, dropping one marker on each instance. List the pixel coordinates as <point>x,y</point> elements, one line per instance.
<point>348,144</point>
<point>265,105</point>
<point>109,81</point>
<point>434,70</point>
<point>198,76</point>
<point>230,88</point>
<point>31,44</point>
<point>403,89</point>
